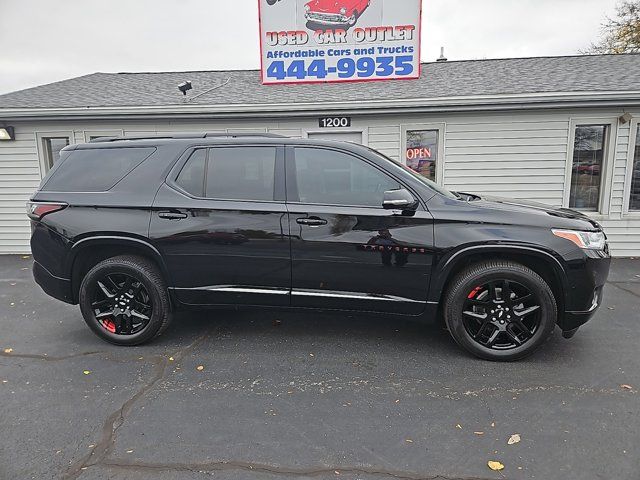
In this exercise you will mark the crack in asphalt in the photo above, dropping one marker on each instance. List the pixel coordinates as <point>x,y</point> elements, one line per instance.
<point>619,285</point>
<point>276,470</point>
<point>104,447</point>
<point>47,358</point>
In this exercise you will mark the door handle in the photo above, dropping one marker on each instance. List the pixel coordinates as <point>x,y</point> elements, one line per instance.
<point>311,221</point>
<point>172,215</point>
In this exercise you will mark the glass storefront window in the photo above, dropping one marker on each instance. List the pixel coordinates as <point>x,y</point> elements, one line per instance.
<point>52,147</point>
<point>588,162</point>
<point>634,200</point>
<point>421,152</point>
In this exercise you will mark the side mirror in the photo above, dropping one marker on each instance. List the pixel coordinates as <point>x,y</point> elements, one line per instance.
<point>399,200</point>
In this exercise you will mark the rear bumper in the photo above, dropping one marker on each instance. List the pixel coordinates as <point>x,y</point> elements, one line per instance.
<point>57,287</point>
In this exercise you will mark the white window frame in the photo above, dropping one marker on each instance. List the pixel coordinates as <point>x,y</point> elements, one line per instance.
<point>87,134</point>
<point>626,201</point>
<point>608,161</point>
<point>42,150</point>
<point>441,129</point>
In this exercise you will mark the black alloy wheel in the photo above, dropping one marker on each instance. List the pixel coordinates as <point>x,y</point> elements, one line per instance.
<point>121,304</point>
<point>125,301</point>
<point>500,310</point>
<point>501,314</point>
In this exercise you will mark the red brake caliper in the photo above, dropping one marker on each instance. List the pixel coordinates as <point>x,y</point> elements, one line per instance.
<point>474,292</point>
<point>109,325</point>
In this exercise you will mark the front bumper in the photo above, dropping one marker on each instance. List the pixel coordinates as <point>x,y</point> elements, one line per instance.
<point>585,283</point>
<point>327,18</point>
<point>59,288</point>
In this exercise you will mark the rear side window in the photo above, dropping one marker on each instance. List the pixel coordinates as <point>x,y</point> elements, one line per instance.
<point>241,173</point>
<point>95,170</point>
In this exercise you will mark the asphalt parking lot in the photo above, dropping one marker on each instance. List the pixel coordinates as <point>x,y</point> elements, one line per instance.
<point>310,395</point>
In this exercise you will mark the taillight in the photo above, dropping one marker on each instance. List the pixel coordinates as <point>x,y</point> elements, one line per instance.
<point>37,210</point>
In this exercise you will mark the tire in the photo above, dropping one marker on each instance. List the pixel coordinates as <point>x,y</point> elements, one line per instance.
<point>514,279</point>
<point>147,285</point>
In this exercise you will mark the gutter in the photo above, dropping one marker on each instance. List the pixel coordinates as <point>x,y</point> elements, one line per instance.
<point>419,105</point>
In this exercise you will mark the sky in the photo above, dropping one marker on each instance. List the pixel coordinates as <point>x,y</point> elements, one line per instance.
<point>43,41</point>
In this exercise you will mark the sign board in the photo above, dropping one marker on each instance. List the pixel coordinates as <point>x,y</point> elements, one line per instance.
<point>304,41</point>
<point>334,122</point>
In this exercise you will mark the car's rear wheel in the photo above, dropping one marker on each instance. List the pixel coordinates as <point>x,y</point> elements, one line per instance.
<point>124,300</point>
<point>500,310</point>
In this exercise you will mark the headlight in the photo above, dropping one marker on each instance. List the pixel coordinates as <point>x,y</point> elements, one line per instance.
<point>589,240</point>
<point>307,7</point>
<point>343,11</point>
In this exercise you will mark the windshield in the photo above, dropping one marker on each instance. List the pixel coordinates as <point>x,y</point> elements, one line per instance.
<point>424,180</point>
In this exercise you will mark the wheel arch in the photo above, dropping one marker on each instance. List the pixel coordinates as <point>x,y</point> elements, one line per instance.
<point>544,263</point>
<point>89,251</point>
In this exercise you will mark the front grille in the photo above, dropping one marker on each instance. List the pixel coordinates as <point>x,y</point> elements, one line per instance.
<point>325,17</point>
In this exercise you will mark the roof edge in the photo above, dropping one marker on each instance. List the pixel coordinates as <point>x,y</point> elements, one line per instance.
<point>486,102</point>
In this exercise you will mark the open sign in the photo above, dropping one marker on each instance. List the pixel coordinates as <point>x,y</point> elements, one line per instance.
<point>419,153</point>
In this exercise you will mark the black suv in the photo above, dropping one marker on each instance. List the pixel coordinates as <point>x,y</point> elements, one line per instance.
<point>133,229</point>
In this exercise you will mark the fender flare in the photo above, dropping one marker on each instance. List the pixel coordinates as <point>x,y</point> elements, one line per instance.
<point>450,260</point>
<point>115,240</point>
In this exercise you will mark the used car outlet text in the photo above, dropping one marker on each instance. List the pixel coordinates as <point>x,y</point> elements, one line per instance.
<point>359,35</point>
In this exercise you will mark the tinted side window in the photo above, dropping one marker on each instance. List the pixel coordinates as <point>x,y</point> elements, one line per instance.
<point>334,178</point>
<point>241,173</point>
<point>191,177</point>
<point>95,170</point>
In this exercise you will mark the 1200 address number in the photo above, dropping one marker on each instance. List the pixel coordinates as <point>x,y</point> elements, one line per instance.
<point>363,67</point>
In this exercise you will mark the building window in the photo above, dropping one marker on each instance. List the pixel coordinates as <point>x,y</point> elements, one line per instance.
<point>421,153</point>
<point>589,152</point>
<point>51,148</point>
<point>634,199</point>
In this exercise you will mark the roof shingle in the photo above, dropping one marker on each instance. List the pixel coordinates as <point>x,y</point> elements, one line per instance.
<point>598,73</point>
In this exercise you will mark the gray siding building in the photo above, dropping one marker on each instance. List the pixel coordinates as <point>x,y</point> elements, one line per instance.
<point>558,130</point>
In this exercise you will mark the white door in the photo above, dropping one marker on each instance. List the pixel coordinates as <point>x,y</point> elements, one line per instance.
<point>338,136</point>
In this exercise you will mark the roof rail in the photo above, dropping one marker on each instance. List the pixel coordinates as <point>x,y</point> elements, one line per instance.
<point>188,136</point>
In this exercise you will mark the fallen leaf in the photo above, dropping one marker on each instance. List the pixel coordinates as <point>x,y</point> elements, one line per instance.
<point>336,472</point>
<point>611,308</point>
<point>495,465</point>
<point>626,387</point>
<point>171,359</point>
<point>408,440</point>
<point>493,424</point>
<point>129,451</point>
<point>459,426</point>
<point>311,355</point>
<point>8,350</point>
<point>515,438</point>
<point>86,372</point>
<point>479,433</point>
<point>199,368</point>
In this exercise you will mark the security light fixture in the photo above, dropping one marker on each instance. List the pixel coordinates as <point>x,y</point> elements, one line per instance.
<point>7,133</point>
<point>185,87</point>
<point>626,118</point>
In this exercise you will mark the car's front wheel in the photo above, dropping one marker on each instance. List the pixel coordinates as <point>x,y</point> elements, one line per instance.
<point>500,310</point>
<point>124,300</point>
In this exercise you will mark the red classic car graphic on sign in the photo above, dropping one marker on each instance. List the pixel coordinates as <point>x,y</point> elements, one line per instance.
<point>335,13</point>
